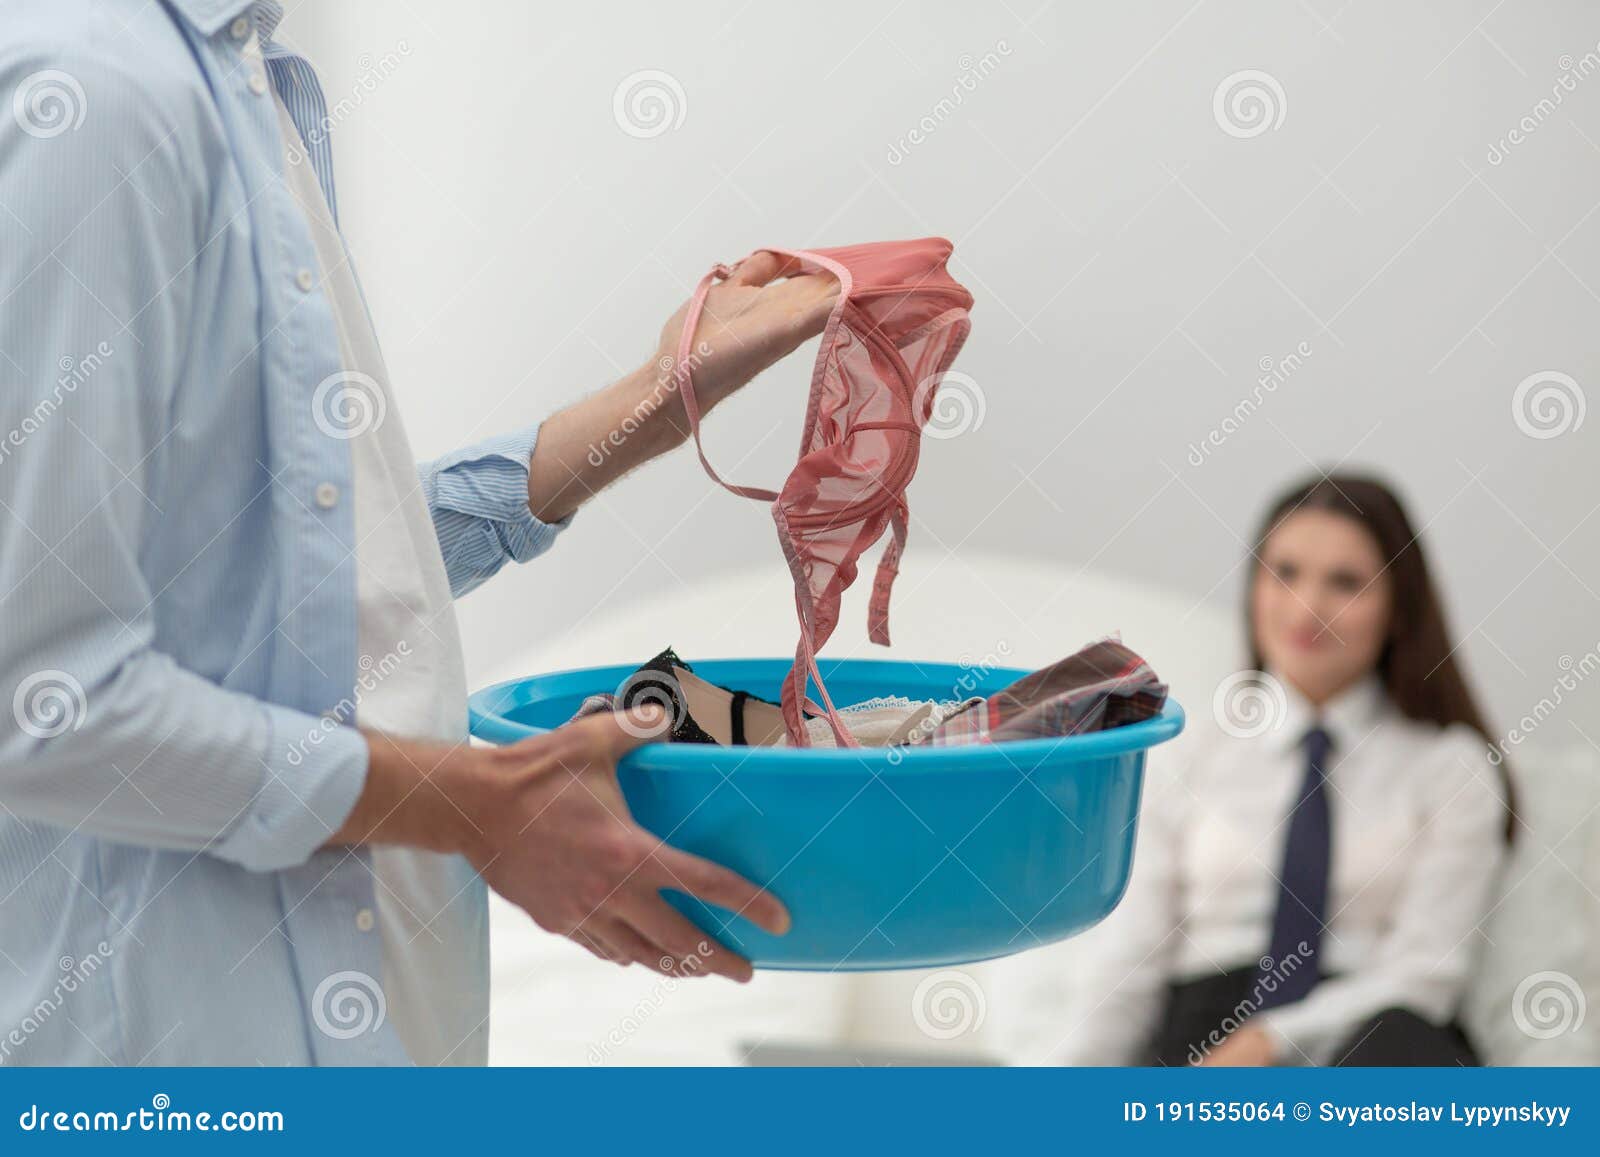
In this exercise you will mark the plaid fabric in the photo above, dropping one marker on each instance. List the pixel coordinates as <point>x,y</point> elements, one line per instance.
<point>1102,686</point>
<point>595,705</point>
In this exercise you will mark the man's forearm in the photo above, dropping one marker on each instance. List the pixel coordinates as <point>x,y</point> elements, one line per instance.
<point>545,824</point>
<point>760,314</point>
<point>589,445</point>
<point>416,794</point>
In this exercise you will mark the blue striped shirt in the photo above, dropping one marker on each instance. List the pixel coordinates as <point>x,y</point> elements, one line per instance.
<point>177,557</point>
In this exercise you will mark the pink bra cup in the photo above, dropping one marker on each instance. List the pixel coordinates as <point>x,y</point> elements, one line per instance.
<point>897,326</point>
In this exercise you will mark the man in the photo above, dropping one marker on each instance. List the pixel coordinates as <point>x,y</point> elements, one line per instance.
<point>240,822</point>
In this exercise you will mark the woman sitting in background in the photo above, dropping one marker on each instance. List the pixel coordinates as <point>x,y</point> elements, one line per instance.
<point>1310,879</point>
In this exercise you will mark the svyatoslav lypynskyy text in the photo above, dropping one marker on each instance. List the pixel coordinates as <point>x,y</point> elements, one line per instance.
<point>1467,1116</point>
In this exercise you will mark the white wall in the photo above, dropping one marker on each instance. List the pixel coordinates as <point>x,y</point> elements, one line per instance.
<point>1133,264</point>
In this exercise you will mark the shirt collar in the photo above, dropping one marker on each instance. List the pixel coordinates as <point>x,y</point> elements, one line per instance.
<point>1348,717</point>
<point>208,16</point>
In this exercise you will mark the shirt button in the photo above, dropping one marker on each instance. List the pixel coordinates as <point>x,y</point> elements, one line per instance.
<point>327,495</point>
<point>365,920</point>
<point>240,28</point>
<point>305,280</point>
<point>258,84</point>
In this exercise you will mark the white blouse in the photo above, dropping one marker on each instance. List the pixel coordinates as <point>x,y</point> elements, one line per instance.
<point>1418,816</point>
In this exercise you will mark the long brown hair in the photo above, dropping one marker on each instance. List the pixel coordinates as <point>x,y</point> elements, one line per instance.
<point>1417,664</point>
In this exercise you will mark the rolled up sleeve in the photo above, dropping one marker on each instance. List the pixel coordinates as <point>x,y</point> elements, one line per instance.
<point>478,497</point>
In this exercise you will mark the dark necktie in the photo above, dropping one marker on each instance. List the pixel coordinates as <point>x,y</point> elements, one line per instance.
<point>1291,968</point>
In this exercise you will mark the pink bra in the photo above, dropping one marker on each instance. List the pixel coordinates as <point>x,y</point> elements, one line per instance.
<point>898,324</point>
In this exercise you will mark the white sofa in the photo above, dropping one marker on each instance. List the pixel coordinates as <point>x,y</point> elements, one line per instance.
<point>554,1004</point>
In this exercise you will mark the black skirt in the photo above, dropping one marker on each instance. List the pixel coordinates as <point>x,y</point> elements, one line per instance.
<point>1200,1013</point>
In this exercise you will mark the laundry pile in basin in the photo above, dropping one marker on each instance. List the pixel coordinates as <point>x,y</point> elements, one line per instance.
<point>1101,686</point>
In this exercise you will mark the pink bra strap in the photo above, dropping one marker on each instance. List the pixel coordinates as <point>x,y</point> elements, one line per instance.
<point>795,700</point>
<point>883,583</point>
<point>805,662</point>
<point>684,371</point>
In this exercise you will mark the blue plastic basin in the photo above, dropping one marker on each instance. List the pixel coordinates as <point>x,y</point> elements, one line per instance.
<point>886,857</point>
